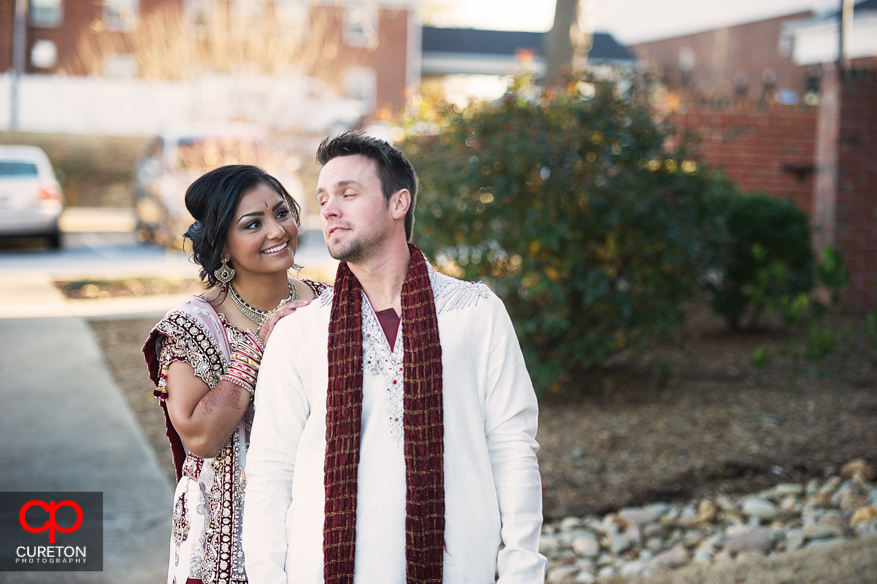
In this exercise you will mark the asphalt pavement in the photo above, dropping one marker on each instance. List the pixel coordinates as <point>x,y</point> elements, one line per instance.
<point>64,424</point>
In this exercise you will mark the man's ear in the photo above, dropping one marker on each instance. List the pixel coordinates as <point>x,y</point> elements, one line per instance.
<point>400,203</point>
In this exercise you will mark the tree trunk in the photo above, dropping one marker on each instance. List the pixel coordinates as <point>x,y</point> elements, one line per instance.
<point>559,49</point>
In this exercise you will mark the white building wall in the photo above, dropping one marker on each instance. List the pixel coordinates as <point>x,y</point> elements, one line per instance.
<point>133,107</point>
<point>818,43</point>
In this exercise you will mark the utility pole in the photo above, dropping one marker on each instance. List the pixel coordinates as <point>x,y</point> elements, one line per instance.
<point>846,26</point>
<point>18,49</point>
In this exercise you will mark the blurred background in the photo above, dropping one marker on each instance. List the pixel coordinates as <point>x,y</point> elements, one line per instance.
<point>676,199</point>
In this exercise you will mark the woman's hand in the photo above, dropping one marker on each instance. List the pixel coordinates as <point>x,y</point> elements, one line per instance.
<point>274,317</point>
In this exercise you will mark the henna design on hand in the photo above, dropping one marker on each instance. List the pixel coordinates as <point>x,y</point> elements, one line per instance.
<point>223,395</point>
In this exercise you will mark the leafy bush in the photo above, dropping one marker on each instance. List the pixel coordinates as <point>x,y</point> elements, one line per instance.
<point>804,316</point>
<point>574,211</point>
<point>768,262</point>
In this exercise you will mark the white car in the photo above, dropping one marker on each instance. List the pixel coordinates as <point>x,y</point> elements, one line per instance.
<point>178,157</point>
<point>30,198</point>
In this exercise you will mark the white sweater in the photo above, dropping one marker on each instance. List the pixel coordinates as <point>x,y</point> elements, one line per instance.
<point>493,490</point>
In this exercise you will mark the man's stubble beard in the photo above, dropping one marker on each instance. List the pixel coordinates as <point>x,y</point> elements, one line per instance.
<point>359,249</point>
<point>352,254</point>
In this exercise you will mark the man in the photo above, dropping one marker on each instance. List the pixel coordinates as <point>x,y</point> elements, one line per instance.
<point>394,437</point>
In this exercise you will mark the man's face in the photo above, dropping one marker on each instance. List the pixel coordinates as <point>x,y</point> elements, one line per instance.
<point>354,213</point>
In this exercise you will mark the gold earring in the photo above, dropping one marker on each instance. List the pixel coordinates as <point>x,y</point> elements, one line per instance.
<point>224,273</point>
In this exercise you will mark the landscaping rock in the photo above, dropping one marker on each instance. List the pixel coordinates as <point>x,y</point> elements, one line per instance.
<point>561,575</point>
<point>586,546</point>
<point>759,509</point>
<point>639,541</point>
<point>864,515</point>
<point>760,540</point>
<point>858,466</point>
<point>822,531</point>
<point>787,489</point>
<point>671,559</point>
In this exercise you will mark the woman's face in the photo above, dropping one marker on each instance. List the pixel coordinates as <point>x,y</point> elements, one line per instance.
<point>262,237</point>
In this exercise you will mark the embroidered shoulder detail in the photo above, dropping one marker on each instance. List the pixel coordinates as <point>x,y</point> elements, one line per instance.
<point>453,294</point>
<point>326,295</point>
<point>317,287</point>
<point>188,340</point>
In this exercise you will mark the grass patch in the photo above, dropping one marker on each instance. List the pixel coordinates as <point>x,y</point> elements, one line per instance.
<point>95,289</point>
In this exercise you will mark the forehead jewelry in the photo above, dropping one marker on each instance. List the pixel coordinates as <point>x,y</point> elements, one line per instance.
<point>266,204</point>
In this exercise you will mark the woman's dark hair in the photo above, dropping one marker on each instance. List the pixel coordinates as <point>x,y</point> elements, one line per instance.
<point>212,200</point>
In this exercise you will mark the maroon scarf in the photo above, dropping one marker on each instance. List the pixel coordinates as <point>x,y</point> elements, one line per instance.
<point>423,423</point>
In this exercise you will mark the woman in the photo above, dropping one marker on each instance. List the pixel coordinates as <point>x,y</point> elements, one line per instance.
<point>204,356</point>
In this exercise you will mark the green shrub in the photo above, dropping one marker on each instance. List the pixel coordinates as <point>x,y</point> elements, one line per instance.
<point>804,315</point>
<point>768,261</point>
<point>573,210</point>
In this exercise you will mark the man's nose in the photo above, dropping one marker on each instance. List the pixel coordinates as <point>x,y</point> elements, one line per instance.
<point>330,209</point>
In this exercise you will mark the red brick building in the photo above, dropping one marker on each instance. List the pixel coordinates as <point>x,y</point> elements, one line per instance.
<point>741,61</point>
<point>365,50</point>
<point>769,108</point>
<point>822,158</point>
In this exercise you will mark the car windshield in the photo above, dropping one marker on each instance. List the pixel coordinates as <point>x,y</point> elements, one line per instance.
<point>14,168</point>
<point>199,153</point>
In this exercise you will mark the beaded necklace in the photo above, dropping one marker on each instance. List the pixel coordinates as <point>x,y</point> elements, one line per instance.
<point>254,314</point>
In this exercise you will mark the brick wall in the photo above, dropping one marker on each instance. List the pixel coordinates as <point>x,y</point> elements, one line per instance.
<point>855,233</point>
<point>717,56</point>
<point>761,149</point>
<point>7,26</point>
<point>824,159</point>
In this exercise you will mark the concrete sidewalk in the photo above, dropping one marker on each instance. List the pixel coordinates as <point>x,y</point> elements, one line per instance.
<point>65,426</point>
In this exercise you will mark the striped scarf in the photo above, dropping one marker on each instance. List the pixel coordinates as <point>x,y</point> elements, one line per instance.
<point>422,422</point>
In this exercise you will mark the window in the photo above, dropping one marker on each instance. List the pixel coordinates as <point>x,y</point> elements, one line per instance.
<point>247,14</point>
<point>120,66</point>
<point>46,13</point>
<point>44,54</point>
<point>121,15</point>
<point>293,20</point>
<point>199,15</point>
<point>14,168</point>
<point>785,44</point>
<point>362,83</point>
<point>360,25</point>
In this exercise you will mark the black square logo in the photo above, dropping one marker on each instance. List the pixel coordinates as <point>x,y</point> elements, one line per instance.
<point>51,532</point>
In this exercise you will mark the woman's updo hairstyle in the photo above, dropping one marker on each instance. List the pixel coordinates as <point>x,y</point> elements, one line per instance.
<point>212,200</point>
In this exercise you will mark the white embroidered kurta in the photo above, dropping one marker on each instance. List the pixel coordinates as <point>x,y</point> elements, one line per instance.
<point>492,485</point>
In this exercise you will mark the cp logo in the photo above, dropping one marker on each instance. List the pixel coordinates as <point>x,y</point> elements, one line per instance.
<point>51,508</point>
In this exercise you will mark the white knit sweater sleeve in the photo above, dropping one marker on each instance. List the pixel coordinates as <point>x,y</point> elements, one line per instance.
<point>511,412</point>
<point>281,413</point>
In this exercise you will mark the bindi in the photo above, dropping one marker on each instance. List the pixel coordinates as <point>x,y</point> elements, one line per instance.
<point>266,204</point>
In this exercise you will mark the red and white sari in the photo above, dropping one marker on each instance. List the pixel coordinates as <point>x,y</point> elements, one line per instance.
<point>208,503</point>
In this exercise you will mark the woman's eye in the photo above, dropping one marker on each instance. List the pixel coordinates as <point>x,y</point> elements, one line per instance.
<point>283,213</point>
<point>252,225</point>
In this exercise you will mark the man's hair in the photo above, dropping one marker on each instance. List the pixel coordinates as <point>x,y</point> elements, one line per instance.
<point>394,170</point>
